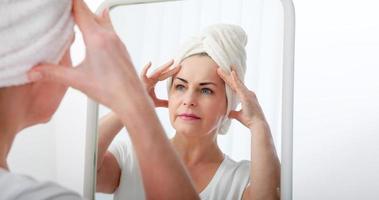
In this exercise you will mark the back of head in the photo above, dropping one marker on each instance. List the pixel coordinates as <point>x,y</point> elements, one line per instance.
<point>225,44</point>
<point>32,32</point>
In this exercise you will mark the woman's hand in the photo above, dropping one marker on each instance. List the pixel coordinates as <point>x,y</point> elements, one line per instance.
<point>265,166</point>
<point>159,74</point>
<point>251,112</point>
<point>106,74</point>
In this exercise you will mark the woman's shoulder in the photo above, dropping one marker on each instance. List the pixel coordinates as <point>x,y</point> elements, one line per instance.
<point>24,187</point>
<point>229,181</point>
<point>235,171</point>
<point>240,165</point>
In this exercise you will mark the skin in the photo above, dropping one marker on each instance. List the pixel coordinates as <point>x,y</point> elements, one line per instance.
<point>265,170</point>
<point>106,70</point>
<point>196,140</point>
<point>27,105</point>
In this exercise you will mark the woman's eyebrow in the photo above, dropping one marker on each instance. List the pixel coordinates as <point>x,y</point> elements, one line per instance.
<point>182,79</point>
<point>208,83</point>
<point>202,84</point>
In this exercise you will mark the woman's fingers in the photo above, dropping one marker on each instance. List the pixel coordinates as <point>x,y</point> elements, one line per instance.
<point>83,17</point>
<point>169,73</point>
<point>161,103</point>
<point>227,78</point>
<point>146,68</point>
<point>160,72</point>
<point>238,115</point>
<point>47,72</point>
<point>105,20</point>
<point>234,114</point>
<point>158,102</point>
<point>158,75</point>
<point>161,69</point>
<point>233,81</point>
<point>239,86</point>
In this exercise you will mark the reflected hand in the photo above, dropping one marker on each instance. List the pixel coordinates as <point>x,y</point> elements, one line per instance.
<point>106,70</point>
<point>251,112</point>
<point>160,74</point>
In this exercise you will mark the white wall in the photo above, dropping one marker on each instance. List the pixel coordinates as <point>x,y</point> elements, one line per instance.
<point>336,119</point>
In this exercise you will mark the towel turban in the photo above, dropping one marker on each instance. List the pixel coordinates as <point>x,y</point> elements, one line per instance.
<point>225,44</point>
<point>31,32</point>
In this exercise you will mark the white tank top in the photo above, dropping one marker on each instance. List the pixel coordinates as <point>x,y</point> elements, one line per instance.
<point>228,183</point>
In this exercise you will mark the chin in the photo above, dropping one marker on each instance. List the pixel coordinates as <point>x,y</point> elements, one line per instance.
<point>186,130</point>
<point>191,131</point>
<point>47,117</point>
<point>42,117</point>
<point>43,114</point>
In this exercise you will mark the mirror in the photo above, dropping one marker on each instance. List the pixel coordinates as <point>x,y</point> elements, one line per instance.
<point>155,31</point>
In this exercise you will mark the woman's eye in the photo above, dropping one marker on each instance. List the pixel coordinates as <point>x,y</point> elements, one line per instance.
<point>206,91</point>
<point>179,87</point>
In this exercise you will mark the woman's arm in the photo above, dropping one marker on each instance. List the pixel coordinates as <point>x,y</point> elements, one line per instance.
<point>108,170</point>
<point>163,173</point>
<point>108,76</point>
<point>265,167</point>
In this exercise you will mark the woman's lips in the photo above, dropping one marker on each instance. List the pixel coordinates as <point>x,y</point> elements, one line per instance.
<point>188,117</point>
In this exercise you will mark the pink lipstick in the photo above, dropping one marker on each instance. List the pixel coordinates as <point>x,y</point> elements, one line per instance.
<point>188,116</point>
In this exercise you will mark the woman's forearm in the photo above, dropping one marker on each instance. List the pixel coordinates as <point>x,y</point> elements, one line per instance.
<point>109,126</point>
<point>164,176</point>
<point>265,167</point>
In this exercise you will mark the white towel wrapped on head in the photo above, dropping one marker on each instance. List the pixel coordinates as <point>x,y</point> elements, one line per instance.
<point>32,32</point>
<point>225,44</point>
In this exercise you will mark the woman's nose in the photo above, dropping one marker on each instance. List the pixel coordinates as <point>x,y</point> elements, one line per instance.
<point>189,99</point>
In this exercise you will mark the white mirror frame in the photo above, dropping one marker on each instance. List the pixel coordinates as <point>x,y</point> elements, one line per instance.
<point>89,187</point>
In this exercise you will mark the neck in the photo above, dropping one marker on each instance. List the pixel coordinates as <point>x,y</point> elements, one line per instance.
<point>10,122</point>
<point>194,150</point>
<point>6,139</point>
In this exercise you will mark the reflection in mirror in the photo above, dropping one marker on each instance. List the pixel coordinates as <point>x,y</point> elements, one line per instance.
<point>156,33</point>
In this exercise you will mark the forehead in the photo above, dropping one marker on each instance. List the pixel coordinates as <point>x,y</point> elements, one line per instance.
<point>199,68</point>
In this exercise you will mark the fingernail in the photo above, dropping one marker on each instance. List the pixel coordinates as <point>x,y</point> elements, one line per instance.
<point>34,76</point>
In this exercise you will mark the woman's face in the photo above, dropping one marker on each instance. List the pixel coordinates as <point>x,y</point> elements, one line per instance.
<point>197,99</point>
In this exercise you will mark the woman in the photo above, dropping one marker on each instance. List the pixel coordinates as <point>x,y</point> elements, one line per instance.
<point>31,96</point>
<point>202,96</point>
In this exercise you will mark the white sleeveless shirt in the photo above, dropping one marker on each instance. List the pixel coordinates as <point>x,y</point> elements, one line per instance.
<point>228,183</point>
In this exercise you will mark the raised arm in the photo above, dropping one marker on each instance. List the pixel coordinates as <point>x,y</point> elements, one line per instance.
<point>265,166</point>
<point>108,170</point>
<point>107,75</point>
